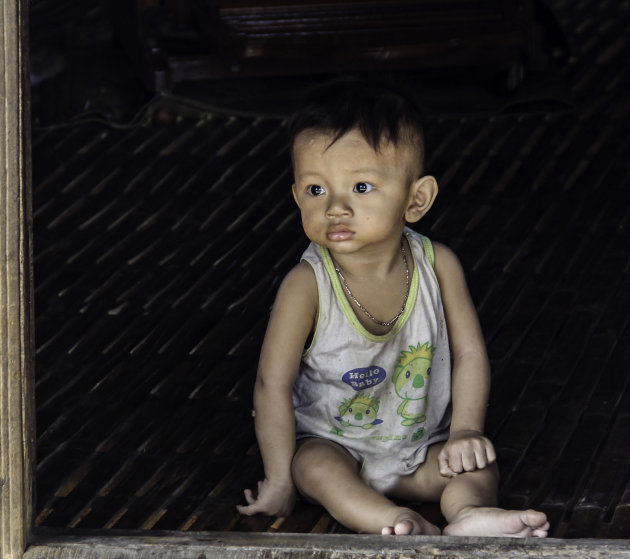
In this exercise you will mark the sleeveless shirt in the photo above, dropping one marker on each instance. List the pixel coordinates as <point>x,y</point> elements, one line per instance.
<point>385,398</point>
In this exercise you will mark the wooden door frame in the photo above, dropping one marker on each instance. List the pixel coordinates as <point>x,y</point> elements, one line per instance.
<point>17,425</point>
<point>18,539</point>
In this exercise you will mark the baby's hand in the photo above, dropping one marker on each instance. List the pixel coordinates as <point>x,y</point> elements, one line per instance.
<point>274,499</point>
<point>465,451</point>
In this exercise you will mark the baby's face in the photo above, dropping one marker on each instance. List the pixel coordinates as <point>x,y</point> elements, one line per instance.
<point>352,197</point>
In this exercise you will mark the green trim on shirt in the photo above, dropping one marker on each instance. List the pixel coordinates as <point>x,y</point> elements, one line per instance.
<point>428,250</point>
<point>430,253</point>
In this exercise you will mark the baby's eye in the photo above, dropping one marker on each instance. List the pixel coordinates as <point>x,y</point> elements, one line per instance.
<point>315,190</point>
<point>363,187</point>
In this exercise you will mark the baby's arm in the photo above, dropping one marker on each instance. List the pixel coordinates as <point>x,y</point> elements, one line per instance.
<point>291,322</point>
<point>466,449</point>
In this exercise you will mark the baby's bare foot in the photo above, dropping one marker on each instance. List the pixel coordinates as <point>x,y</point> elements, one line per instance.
<point>409,522</point>
<point>499,523</point>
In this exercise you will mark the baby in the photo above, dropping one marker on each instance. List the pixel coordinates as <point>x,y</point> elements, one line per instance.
<point>373,377</point>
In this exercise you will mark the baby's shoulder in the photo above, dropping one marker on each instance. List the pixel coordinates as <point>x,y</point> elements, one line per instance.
<point>441,250</point>
<point>448,269</point>
<point>296,303</point>
<point>300,282</point>
<point>444,256</point>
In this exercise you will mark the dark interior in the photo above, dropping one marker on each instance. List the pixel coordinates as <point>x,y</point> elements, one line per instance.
<point>163,222</point>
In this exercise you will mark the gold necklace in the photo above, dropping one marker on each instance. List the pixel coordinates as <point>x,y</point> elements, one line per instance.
<point>368,314</point>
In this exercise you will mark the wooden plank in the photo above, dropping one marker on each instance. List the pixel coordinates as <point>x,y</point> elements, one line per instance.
<point>180,545</point>
<point>17,433</point>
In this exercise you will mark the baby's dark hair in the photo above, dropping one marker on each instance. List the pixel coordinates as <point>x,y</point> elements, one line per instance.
<point>381,111</point>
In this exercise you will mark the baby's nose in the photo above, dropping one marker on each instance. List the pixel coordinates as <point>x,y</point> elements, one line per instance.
<point>337,206</point>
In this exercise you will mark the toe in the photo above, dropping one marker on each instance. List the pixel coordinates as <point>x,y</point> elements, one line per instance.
<point>403,528</point>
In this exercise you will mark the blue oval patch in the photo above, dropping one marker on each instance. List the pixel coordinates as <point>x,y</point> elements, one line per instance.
<point>364,377</point>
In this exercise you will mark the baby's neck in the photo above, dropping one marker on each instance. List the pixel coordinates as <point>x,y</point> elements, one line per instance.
<point>378,298</point>
<point>379,263</point>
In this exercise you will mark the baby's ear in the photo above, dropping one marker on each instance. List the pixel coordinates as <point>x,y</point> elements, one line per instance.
<point>421,197</point>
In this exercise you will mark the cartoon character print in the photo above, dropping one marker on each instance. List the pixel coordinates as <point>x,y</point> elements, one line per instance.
<point>359,411</point>
<point>411,382</point>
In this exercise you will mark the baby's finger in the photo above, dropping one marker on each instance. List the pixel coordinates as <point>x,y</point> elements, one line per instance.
<point>455,464</point>
<point>447,472</point>
<point>541,532</point>
<point>491,453</point>
<point>469,462</point>
<point>247,511</point>
<point>249,496</point>
<point>481,458</point>
<point>443,465</point>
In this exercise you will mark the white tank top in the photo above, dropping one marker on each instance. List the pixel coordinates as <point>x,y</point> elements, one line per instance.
<point>382,397</point>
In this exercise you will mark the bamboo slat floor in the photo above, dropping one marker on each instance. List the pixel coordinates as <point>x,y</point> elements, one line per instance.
<point>158,249</point>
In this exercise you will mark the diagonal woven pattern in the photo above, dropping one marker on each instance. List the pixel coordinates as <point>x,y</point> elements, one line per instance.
<point>158,249</point>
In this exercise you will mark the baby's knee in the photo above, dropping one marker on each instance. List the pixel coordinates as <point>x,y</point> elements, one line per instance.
<point>316,458</point>
<point>305,462</point>
<point>488,476</point>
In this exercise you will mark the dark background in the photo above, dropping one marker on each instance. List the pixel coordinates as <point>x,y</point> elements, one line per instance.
<point>163,223</point>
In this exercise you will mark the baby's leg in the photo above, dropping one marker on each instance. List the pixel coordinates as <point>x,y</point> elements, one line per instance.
<point>469,504</point>
<point>469,501</point>
<point>327,474</point>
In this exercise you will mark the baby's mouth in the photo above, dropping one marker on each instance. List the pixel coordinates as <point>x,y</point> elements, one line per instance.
<point>338,233</point>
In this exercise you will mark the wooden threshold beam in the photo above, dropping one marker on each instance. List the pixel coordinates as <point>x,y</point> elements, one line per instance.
<point>50,544</point>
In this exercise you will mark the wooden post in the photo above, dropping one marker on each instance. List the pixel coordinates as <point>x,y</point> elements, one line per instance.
<point>17,429</point>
